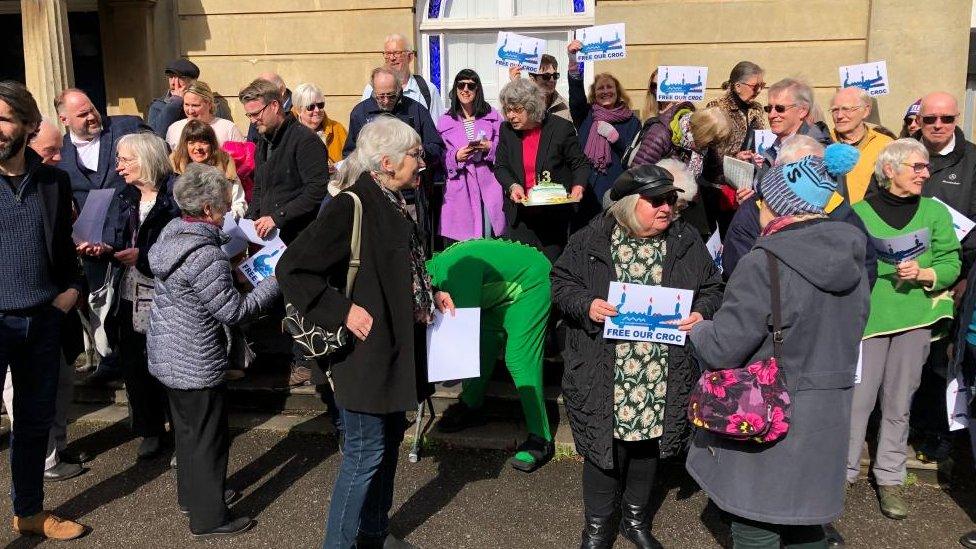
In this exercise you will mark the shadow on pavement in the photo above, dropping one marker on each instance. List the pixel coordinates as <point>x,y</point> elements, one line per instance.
<point>104,439</point>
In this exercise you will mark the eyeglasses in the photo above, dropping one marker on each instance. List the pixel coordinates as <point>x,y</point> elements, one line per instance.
<point>545,75</point>
<point>121,160</point>
<point>670,199</point>
<point>928,120</point>
<point>778,108</point>
<point>917,167</point>
<point>516,109</point>
<point>845,109</point>
<point>395,54</point>
<point>756,88</point>
<point>320,106</point>
<point>254,115</point>
<point>385,96</point>
<point>417,154</point>
<point>470,86</point>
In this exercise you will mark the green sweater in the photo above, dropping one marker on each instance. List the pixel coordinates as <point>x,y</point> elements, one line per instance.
<point>898,306</point>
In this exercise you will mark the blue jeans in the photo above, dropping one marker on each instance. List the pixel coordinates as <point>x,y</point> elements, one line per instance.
<point>363,492</point>
<point>30,345</point>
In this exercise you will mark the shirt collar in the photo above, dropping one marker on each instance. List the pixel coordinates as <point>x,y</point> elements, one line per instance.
<point>950,147</point>
<point>79,142</point>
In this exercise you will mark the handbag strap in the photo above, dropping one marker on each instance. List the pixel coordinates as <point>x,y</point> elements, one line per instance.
<point>354,242</point>
<point>776,304</point>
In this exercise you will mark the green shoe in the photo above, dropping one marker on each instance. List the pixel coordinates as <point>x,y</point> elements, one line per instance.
<point>532,454</point>
<point>892,504</point>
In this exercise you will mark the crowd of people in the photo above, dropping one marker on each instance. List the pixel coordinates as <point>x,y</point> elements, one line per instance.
<point>416,206</point>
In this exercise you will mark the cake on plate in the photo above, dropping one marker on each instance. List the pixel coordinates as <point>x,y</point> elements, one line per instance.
<point>546,192</point>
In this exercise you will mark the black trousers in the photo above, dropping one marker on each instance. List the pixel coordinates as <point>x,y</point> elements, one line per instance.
<point>202,443</point>
<point>146,395</point>
<point>635,464</point>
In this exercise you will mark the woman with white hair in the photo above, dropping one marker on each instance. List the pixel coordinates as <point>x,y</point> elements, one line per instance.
<point>308,105</point>
<point>381,372</point>
<point>533,144</point>
<point>910,307</point>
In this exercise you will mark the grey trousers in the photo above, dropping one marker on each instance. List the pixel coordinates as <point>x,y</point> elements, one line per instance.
<point>58,436</point>
<point>891,368</point>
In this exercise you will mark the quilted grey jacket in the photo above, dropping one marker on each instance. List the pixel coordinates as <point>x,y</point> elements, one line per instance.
<point>195,297</point>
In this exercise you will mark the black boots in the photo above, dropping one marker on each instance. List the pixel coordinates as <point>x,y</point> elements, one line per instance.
<point>635,526</point>
<point>598,533</point>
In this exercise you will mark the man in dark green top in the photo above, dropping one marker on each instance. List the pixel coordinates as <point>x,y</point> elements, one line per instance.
<point>510,283</point>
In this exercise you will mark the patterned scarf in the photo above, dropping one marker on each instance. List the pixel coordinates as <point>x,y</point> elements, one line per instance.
<point>597,147</point>
<point>423,295</point>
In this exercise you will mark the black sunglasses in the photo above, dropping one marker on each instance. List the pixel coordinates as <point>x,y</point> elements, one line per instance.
<point>945,118</point>
<point>470,86</point>
<point>546,75</point>
<point>670,199</point>
<point>320,105</point>
<point>778,108</point>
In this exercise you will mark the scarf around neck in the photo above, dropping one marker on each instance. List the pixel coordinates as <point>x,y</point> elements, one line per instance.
<point>597,147</point>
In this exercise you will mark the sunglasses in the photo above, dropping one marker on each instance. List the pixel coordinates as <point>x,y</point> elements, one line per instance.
<point>320,106</point>
<point>546,76</point>
<point>756,88</point>
<point>470,86</point>
<point>670,199</point>
<point>917,167</point>
<point>944,118</point>
<point>778,108</point>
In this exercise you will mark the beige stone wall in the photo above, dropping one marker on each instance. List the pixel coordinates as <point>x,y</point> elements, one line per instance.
<point>331,43</point>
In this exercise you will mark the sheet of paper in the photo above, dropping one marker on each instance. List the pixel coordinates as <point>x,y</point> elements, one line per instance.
<point>515,50</point>
<point>602,42</point>
<point>870,77</point>
<point>738,173</point>
<point>764,140</point>
<point>454,345</point>
<point>860,363</point>
<point>238,240</point>
<point>647,313</point>
<point>681,83</point>
<point>957,404</point>
<point>251,234</point>
<point>91,221</point>
<point>714,247</point>
<point>896,249</point>
<point>262,264</point>
<point>962,224</point>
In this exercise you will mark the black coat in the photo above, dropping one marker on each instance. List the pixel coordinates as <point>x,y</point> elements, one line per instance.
<point>123,222</point>
<point>544,227</point>
<point>291,177</point>
<point>387,372</point>
<point>583,273</point>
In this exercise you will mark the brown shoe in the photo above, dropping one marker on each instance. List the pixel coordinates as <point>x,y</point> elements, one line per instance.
<point>50,526</point>
<point>300,375</point>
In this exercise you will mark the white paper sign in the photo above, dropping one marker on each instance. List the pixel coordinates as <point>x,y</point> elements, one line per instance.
<point>738,173</point>
<point>238,240</point>
<point>764,140</point>
<point>515,50</point>
<point>91,221</point>
<point>262,264</point>
<point>870,77</point>
<point>251,234</point>
<point>896,249</point>
<point>860,363</point>
<point>962,224</point>
<point>714,247</point>
<point>647,313</point>
<point>957,404</point>
<point>680,83</point>
<point>602,42</point>
<point>454,345</point>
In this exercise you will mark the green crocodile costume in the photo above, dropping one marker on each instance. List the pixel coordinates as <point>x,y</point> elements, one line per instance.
<point>510,282</point>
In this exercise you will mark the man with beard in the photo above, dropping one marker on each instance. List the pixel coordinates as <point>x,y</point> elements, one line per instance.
<point>397,56</point>
<point>39,283</point>
<point>88,156</point>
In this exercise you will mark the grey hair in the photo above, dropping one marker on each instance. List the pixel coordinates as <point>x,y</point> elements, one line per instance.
<point>683,178</point>
<point>304,95</point>
<point>625,212</point>
<point>385,136</point>
<point>398,38</point>
<point>798,146</point>
<point>522,93</point>
<point>149,151</point>
<point>862,95</point>
<point>384,70</point>
<point>202,184</point>
<point>894,154</point>
<point>800,90</point>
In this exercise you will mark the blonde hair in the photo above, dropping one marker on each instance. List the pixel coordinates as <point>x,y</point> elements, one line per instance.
<point>624,211</point>
<point>650,98</point>
<point>622,97</point>
<point>709,126</point>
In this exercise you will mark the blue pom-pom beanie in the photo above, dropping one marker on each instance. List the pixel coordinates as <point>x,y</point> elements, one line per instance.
<point>802,187</point>
<point>840,158</point>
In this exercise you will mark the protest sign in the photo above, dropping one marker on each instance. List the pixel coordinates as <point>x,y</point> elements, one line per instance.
<point>602,42</point>
<point>957,403</point>
<point>251,234</point>
<point>764,140</point>
<point>681,83</point>
<point>647,313</point>
<point>896,249</point>
<point>515,50</point>
<point>738,173</point>
<point>870,77</point>
<point>262,264</point>
<point>714,247</point>
<point>960,223</point>
<point>91,221</point>
<point>454,345</point>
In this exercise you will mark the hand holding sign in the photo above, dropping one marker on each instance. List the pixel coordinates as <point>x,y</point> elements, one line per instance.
<point>515,50</point>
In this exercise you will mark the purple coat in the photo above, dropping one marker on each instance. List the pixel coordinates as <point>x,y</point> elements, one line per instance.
<point>471,183</point>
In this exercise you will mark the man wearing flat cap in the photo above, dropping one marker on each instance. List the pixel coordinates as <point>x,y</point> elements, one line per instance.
<point>165,110</point>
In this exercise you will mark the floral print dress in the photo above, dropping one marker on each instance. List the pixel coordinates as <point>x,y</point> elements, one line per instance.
<point>641,367</point>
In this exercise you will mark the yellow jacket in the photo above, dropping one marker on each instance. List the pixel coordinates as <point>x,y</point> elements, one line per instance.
<point>859,177</point>
<point>333,134</point>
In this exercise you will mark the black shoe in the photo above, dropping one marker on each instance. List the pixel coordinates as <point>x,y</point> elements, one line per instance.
<point>230,496</point>
<point>598,533</point>
<point>103,374</point>
<point>635,527</point>
<point>63,471</point>
<point>78,457</point>
<point>532,454</point>
<point>150,447</point>
<point>968,540</point>
<point>230,529</point>
<point>459,416</point>
<point>834,537</point>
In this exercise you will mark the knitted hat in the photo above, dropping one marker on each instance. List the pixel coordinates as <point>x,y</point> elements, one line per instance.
<point>803,187</point>
<point>913,108</point>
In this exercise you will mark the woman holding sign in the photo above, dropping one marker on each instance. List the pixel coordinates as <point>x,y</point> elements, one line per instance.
<point>626,400</point>
<point>919,260</point>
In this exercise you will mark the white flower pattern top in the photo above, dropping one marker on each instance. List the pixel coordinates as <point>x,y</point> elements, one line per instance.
<point>641,367</point>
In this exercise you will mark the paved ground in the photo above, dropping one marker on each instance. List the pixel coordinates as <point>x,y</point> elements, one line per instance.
<point>451,499</point>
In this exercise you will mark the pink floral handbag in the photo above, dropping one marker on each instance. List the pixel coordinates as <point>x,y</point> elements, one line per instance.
<point>749,403</point>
